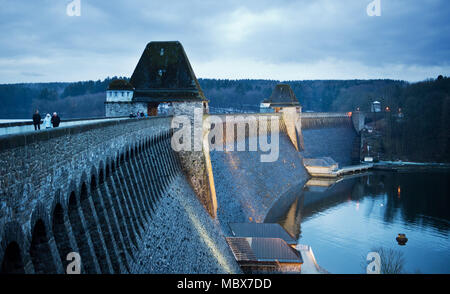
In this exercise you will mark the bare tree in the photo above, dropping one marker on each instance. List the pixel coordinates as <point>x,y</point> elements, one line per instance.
<point>392,261</point>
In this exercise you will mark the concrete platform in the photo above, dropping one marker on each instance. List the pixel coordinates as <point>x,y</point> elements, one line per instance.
<point>328,168</point>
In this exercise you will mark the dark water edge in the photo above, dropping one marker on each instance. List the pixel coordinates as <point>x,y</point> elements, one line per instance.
<point>349,219</point>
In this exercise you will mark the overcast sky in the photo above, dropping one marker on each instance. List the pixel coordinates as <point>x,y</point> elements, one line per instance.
<point>282,40</point>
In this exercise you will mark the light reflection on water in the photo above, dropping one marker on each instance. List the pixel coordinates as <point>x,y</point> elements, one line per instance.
<point>344,222</point>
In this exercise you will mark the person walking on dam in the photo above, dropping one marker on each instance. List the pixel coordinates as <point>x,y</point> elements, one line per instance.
<point>55,120</point>
<point>37,120</point>
<point>48,121</point>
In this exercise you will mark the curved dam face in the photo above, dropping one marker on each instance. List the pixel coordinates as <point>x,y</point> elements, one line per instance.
<point>248,189</point>
<point>117,193</point>
<point>295,204</point>
<point>112,192</point>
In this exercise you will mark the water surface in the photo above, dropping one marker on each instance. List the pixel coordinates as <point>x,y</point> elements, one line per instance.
<point>347,220</point>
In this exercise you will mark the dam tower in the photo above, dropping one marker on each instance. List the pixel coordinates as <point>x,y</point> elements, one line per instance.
<point>283,100</point>
<point>163,75</point>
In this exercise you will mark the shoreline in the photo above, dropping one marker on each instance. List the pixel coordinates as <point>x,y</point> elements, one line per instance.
<point>410,166</point>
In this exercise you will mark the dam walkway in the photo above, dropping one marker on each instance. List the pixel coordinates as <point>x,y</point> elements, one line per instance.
<point>17,126</point>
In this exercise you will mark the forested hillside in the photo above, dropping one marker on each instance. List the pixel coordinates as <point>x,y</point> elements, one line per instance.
<point>422,135</point>
<point>327,95</point>
<point>85,99</point>
<point>80,99</point>
<point>424,132</point>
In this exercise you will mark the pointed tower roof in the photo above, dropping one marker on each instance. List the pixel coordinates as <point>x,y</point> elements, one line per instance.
<point>282,96</point>
<point>164,74</point>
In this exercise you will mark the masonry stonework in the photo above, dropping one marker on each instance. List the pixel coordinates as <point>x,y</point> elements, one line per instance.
<point>87,188</point>
<point>114,109</point>
<point>194,162</point>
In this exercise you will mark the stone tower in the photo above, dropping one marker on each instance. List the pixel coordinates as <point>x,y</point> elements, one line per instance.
<point>283,100</point>
<point>162,75</point>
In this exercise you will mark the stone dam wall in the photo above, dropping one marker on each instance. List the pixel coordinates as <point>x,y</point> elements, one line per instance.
<point>113,192</point>
<point>247,189</point>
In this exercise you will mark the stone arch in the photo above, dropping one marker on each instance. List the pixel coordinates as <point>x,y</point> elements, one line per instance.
<point>112,167</point>
<point>94,178</point>
<point>115,233</point>
<point>79,232</point>
<point>101,173</point>
<point>12,262</point>
<point>107,170</point>
<point>97,195</point>
<point>40,251</point>
<point>132,151</point>
<point>83,180</point>
<point>87,194</point>
<point>122,158</point>
<point>60,233</point>
<point>127,154</point>
<point>116,198</point>
<point>13,259</point>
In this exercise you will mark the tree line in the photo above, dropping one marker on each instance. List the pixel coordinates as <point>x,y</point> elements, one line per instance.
<point>422,134</point>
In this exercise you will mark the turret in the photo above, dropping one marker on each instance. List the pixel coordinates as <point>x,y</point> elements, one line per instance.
<point>282,97</point>
<point>119,91</point>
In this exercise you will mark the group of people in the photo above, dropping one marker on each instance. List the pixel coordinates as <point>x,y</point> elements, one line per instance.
<point>138,114</point>
<point>49,121</point>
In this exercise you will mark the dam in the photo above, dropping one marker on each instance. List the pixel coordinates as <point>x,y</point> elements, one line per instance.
<point>116,192</point>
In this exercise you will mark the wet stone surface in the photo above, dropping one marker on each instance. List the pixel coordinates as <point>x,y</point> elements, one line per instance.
<point>182,237</point>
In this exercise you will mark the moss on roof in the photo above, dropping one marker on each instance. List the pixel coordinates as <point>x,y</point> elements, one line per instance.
<point>120,84</point>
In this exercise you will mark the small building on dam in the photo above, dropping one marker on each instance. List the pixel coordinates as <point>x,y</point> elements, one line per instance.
<point>113,196</point>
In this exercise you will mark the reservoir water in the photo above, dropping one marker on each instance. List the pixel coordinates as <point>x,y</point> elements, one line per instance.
<point>344,221</point>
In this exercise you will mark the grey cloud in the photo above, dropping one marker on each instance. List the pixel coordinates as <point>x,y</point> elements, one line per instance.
<point>109,36</point>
